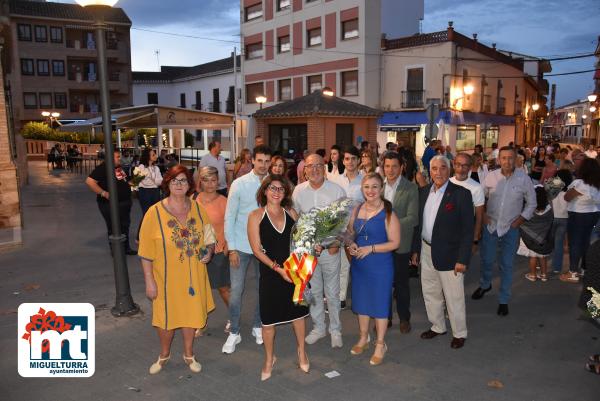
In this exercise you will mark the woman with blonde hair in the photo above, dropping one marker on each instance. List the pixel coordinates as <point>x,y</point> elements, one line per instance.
<point>377,234</point>
<point>214,204</point>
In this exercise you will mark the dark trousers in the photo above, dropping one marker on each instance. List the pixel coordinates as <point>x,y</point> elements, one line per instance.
<point>147,198</point>
<point>579,231</point>
<point>401,285</point>
<point>124,218</point>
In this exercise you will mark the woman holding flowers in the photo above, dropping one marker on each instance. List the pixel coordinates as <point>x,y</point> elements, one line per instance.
<point>377,235</point>
<point>269,230</point>
<point>176,242</point>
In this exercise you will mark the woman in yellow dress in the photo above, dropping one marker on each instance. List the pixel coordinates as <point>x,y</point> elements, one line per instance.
<point>176,243</point>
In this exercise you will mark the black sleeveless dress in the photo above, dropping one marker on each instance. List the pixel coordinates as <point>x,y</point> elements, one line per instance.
<point>274,293</point>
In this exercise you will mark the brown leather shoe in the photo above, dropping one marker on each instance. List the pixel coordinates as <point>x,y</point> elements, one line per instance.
<point>429,334</point>
<point>405,326</point>
<point>457,342</point>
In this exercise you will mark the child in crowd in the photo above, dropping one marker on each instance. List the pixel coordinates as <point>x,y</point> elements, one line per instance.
<point>536,237</point>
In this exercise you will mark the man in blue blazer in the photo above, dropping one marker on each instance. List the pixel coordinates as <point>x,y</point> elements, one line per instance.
<point>446,238</point>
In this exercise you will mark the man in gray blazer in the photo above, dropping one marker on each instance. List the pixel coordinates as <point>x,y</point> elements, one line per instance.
<point>404,196</point>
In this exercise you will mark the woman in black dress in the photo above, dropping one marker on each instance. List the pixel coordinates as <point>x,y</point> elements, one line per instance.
<point>269,230</point>
<point>538,164</point>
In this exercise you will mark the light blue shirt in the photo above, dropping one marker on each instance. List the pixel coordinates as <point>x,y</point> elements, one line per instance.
<point>352,187</point>
<point>240,202</point>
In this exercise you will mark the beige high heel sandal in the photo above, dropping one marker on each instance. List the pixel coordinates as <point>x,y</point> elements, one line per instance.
<point>305,367</point>
<point>266,376</point>
<point>359,349</point>
<point>375,360</point>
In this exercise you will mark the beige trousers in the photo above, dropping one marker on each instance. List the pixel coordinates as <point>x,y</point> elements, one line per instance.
<point>439,288</point>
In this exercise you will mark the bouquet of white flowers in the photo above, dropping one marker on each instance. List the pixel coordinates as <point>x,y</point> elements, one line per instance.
<point>553,186</point>
<point>593,305</point>
<point>319,226</point>
<point>138,176</point>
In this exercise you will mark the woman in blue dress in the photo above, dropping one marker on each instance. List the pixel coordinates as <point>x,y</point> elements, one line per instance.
<point>377,234</point>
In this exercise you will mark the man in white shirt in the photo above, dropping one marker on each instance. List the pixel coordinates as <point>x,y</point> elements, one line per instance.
<point>213,159</point>
<point>318,192</point>
<point>350,181</point>
<point>462,166</point>
<point>510,202</point>
<point>241,201</point>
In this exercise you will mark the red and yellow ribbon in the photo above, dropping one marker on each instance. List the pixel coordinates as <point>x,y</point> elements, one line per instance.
<point>300,271</point>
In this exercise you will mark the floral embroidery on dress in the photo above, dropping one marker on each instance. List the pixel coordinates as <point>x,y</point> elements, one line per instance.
<point>187,239</point>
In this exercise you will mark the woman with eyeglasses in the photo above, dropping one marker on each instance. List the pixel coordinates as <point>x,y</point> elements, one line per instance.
<point>176,242</point>
<point>269,230</point>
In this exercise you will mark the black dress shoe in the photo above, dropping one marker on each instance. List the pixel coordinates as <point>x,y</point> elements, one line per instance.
<point>502,309</point>
<point>342,305</point>
<point>429,334</point>
<point>480,292</point>
<point>457,342</point>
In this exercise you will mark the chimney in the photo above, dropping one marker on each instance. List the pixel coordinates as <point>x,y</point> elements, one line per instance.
<point>494,46</point>
<point>475,37</point>
<point>450,30</point>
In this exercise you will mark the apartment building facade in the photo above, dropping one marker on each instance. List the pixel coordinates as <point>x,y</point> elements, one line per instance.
<point>483,95</point>
<point>54,61</point>
<point>295,47</point>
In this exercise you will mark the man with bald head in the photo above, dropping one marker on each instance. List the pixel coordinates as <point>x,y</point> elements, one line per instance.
<point>318,192</point>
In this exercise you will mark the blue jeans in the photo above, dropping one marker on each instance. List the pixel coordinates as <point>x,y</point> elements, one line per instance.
<point>579,229</point>
<point>559,231</point>
<point>508,245</point>
<point>238,279</point>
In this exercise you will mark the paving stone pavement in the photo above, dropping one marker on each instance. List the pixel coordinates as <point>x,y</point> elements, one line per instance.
<point>536,353</point>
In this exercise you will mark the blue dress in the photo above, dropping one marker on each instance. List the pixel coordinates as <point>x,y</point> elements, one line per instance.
<point>372,276</point>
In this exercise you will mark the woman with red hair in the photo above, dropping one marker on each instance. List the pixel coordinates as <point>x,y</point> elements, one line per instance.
<point>176,242</point>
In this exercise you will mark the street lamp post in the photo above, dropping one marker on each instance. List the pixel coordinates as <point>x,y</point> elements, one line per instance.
<point>124,305</point>
<point>535,107</point>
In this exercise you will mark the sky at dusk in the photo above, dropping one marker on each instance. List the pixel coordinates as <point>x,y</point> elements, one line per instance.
<point>543,28</point>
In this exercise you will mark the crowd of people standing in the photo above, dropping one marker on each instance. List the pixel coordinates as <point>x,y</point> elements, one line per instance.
<point>208,231</point>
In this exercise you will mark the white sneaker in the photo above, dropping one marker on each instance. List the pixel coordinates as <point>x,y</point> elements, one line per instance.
<point>232,341</point>
<point>257,333</point>
<point>336,341</point>
<point>313,337</point>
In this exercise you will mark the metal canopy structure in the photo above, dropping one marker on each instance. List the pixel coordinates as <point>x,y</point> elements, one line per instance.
<point>159,117</point>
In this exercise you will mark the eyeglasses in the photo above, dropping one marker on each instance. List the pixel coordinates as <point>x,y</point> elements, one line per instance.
<point>179,182</point>
<point>314,166</point>
<point>273,188</point>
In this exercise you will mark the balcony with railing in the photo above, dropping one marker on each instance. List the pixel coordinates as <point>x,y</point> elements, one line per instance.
<point>214,107</point>
<point>229,106</point>
<point>501,105</point>
<point>413,99</point>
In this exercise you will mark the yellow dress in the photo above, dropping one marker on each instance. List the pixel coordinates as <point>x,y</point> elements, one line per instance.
<point>184,295</point>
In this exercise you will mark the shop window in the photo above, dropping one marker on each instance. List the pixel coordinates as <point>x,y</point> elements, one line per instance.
<point>465,137</point>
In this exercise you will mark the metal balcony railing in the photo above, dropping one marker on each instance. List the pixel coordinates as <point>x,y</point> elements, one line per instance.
<point>413,99</point>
